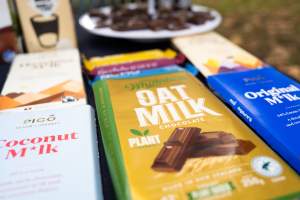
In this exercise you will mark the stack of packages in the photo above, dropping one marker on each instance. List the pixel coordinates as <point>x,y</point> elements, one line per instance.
<point>48,143</point>
<point>48,140</point>
<point>127,64</point>
<point>267,100</point>
<point>166,136</point>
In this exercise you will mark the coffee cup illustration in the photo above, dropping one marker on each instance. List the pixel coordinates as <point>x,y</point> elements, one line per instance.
<point>46,29</point>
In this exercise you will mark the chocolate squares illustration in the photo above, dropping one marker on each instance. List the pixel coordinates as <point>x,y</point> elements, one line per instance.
<point>176,150</point>
<point>185,143</point>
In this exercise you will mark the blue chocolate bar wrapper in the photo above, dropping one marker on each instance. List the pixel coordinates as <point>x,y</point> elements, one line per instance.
<point>269,102</point>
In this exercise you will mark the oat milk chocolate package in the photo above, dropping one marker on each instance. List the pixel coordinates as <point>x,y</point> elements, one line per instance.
<point>46,24</point>
<point>42,80</point>
<point>49,154</point>
<point>269,102</point>
<point>167,137</point>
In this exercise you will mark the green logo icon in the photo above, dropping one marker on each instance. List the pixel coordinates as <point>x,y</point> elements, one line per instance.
<point>139,133</point>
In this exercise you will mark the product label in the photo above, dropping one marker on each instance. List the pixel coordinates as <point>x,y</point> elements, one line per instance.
<point>169,104</point>
<point>275,95</point>
<point>36,145</point>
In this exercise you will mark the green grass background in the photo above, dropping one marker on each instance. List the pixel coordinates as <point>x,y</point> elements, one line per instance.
<point>270,29</point>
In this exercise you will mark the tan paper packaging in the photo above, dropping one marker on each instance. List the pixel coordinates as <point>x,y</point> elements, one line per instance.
<point>46,24</point>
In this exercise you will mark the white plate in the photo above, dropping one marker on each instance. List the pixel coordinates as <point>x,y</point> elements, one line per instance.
<point>89,24</point>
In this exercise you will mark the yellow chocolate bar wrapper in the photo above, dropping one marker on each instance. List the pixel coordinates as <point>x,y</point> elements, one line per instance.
<point>138,119</point>
<point>128,57</point>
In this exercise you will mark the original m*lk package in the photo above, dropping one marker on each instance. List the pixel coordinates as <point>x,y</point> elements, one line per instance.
<point>167,137</point>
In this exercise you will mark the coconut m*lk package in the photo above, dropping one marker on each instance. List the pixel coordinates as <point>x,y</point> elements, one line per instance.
<point>49,154</point>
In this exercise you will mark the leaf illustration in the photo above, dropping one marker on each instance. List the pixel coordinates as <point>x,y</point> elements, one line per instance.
<point>136,132</point>
<point>146,132</point>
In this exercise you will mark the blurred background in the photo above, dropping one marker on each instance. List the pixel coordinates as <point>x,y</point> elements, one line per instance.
<point>268,29</point>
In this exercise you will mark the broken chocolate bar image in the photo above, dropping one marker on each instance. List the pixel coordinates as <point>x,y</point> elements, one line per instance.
<point>219,144</point>
<point>187,143</point>
<point>175,151</point>
<point>238,147</point>
<point>208,139</point>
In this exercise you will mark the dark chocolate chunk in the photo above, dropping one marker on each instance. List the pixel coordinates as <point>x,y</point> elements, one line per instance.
<point>182,14</point>
<point>176,150</point>
<point>96,13</point>
<point>136,24</point>
<point>158,24</point>
<point>175,25</point>
<point>130,25</point>
<point>102,23</point>
<point>200,17</point>
<point>121,26</point>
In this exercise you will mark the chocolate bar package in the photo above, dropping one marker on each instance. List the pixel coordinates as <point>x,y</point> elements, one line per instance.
<point>213,54</point>
<point>117,62</point>
<point>134,66</point>
<point>167,137</point>
<point>269,102</point>
<point>46,24</point>
<point>49,154</point>
<point>45,79</point>
<point>140,73</point>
